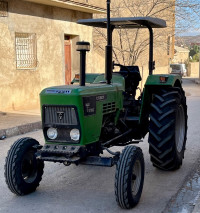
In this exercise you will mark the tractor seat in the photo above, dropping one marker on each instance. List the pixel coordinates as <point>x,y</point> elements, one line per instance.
<point>134,73</point>
<point>132,78</point>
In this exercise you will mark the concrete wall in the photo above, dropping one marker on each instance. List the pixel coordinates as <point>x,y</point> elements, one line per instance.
<point>96,3</point>
<point>181,57</point>
<point>19,89</point>
<point>193,69</point>
<point>87,6</point>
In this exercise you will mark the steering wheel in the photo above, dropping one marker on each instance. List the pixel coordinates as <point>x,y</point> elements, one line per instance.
<point>122,66</point>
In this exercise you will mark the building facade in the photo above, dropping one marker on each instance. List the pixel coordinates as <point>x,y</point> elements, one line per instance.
<point>38,44</point>
<point>38,47</point>
<point>181,55</point>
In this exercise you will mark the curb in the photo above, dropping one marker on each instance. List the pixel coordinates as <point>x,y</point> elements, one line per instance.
<point>197,204</point>
<point>18,130</point>
<point>196,208</point>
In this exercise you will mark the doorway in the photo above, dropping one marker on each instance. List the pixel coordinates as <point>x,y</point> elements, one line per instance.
<point>68,63</point>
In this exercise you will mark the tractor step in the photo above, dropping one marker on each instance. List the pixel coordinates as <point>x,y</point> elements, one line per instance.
<point>132,118</point>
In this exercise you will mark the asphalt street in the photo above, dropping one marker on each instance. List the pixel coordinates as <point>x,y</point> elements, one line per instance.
<point>91,189</point>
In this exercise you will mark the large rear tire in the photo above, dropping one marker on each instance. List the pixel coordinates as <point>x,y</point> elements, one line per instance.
<point>168,128</point>
<point>129,177</point>
<point>23,172</point>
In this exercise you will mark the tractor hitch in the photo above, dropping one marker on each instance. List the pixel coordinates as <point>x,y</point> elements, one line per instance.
<point>74,154</point>
<point>101,161</point>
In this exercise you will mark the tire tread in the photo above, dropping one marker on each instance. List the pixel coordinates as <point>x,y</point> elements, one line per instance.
<point>122,176</point>
<point>12,161</point>
<point>162,137</point>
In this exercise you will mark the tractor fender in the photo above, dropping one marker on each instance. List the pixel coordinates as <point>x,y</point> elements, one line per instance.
<point>171,80</point>
<point>154,83</point>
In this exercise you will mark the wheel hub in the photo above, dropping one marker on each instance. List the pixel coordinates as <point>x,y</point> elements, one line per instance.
<point>136,177</point>
<point>29,167</point>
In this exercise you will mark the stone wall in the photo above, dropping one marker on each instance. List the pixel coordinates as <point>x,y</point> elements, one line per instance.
<point>193,69</point>
<point>181,57</point>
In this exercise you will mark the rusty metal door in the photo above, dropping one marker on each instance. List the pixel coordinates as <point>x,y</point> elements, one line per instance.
<point>67,61</point>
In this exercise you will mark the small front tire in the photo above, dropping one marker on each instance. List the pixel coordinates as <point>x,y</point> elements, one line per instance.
<point>23,172</point>
<point>129,177</point>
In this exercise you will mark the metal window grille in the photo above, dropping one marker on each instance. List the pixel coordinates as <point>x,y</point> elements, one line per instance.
<point>3,9</point>
<point>26,50</point>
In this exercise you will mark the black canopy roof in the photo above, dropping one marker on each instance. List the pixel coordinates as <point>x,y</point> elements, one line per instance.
<point>126,22</point>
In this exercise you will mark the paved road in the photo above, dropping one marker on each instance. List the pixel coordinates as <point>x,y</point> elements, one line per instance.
<point>91,189</point>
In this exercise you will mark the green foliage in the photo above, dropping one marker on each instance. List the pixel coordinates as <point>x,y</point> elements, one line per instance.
<point>194,53</point>
<point>196,48</point>
<point>196,57</point>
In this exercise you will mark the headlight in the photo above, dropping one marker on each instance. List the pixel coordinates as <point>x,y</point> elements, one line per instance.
<point>75,134</point>
<point>52,133</point>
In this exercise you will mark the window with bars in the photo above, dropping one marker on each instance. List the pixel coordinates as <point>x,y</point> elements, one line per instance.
<point>3,9</point>
<point>26,50</point>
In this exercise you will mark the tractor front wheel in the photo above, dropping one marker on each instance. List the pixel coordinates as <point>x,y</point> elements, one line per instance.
<point>129,177</point>
<point>23,172</point>
<point>168,128</point>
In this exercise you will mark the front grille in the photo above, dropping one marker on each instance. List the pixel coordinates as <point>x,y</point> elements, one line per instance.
<point>109,107</point>
<point>64,115</point>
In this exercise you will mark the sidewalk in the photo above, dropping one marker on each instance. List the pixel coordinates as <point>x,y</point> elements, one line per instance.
<point>197,207</point>
<point>197,81</point>
<point>19,122</point>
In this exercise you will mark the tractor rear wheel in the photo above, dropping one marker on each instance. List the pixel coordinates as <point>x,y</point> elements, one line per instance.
<point>168,128</point>
<point>23,172</point>
<point>129,177</point>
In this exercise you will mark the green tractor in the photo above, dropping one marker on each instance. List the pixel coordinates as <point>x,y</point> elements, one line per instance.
<point>81,122</point>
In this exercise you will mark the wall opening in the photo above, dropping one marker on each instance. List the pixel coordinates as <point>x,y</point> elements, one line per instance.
<point>3,9</point>
<point>26,50</point>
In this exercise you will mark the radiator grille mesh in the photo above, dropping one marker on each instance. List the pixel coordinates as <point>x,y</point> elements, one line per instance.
<point>109,107</point>
<point>60,115</point>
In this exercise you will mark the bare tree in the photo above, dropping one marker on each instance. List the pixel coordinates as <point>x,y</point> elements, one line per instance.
<point>130,45</point>
<point>187,15</point>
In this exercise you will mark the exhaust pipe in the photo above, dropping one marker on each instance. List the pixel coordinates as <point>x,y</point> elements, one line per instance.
<point>82,47</point>
<point>108,55</point>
